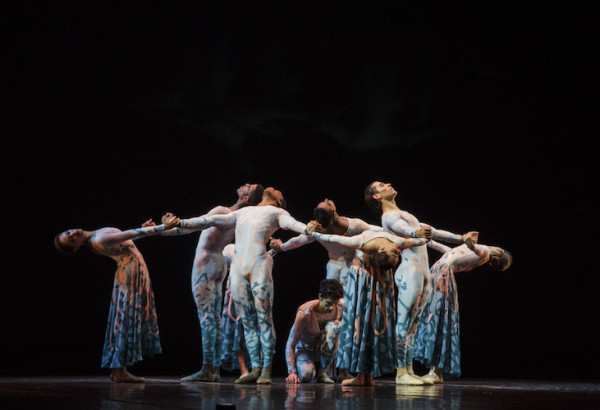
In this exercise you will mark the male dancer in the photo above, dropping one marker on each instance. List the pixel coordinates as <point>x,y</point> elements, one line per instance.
<point>208,273</point>
<point>314,337</point>
<point>251,273</point>
<point>340,257</point>
<point>412,276</point>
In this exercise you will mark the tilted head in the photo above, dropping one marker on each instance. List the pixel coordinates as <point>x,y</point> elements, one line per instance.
<point>275,195</point>
<point>387,256</point>
<point>501,261</point>
<point>330,292</point>
<point>325,212</point>
<point>250,193</point>
<point>69,242</point>
<point>376,192</point>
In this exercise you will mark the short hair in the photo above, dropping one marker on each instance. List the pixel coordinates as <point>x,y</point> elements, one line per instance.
<point>323,216</point>
<point>503,262</point>
<point>256,195</point>
<point>331,288</point>
<point>63,249</point>
<point>384,261</point>
<point>372,203</point>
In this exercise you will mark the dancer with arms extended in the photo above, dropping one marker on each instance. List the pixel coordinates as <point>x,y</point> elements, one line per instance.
<point>208,272</point>
<point>313,341</point>
<point>132,329</point>
<point>367,335</point>
<point>251,273</point>
<point>437,341</point>
<point>340,257</point>
<point>412,276</point>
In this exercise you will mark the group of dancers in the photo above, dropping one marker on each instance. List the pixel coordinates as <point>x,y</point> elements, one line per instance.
<point>367,320</point>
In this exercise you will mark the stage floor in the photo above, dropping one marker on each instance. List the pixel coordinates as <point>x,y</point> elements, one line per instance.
<point>93,392</point>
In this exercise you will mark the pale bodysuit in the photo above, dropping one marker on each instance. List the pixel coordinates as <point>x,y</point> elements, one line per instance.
<point>340,257</point>
<point>412,280</point>
<point>251,271</point>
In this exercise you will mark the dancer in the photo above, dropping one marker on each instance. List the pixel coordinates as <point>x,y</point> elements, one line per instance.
<point>315,335</point>
<point>251,269</point>
<point>208,273</point>
<point>340,257</point>
<point>132,329</point>
<point>437,341</point>
<point>367,333</point>
<point>412,276</point>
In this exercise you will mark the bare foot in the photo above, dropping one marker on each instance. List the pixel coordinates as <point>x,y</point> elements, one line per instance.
<point>359,380</point>
<point>123,376</point>
<point>250,377</point>
<point>433,378</point>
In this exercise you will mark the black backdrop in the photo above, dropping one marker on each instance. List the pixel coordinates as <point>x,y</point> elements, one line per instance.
<point>480,117</point>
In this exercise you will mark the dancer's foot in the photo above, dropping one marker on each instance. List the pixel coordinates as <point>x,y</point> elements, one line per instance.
<point>123,376</point>
<point>343,375</point>
<point>359,380</point>
<point>369,380</point>
<point>205,374</point>
<point>323,377</point>
<point>405,378</point>
<point>265,376</point>
<point>434,375</point>
<point>410,371</point>
<point>250,377</point>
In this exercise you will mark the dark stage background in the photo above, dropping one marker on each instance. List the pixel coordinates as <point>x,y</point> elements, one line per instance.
<point>480,116</point>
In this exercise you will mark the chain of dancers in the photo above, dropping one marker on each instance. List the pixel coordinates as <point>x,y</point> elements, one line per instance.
<point>380,307</point>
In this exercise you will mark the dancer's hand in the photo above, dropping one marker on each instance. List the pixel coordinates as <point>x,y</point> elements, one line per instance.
<point>148,223</point>
<point>292,378</point>
<point>170,220</point>
<point>472,237</point>
<point>424,232</point>
<point>313,226</point>
<point>275,244</point>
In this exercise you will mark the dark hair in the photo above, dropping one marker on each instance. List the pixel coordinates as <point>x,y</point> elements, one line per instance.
<point>372,203</point>
<point>502,262</point>
<point>62,249</point>
<point>282,204</point>
<point>323,216</point>
<point>384,261</point>
<point>331,288</point>
<point>256,195</point>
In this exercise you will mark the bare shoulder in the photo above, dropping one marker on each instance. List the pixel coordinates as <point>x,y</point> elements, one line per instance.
<point>219,210</point>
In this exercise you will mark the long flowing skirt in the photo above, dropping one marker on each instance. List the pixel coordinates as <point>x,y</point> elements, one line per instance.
<point>437,342</point>
<point>368,322</point>
<point>132,328</point>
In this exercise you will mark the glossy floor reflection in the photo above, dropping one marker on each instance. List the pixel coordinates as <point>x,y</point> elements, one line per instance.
<point>167,392</point>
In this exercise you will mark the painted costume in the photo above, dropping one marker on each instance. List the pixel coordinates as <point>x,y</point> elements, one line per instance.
<point>412,280</point>
<point>437,341</point>
<point>313,339</point>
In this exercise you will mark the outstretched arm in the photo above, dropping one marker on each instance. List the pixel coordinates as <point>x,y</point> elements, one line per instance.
<point>441,248</point>
<point>202,222</point>
<point>401,227</point>
<point>290,348</point>
<point>450,237</point>
<point>287,222</point>
<point>296,242</point>
<point>355,241</point>
<point>136,233</point>
<point>409,243</point>
<point>361,226</point>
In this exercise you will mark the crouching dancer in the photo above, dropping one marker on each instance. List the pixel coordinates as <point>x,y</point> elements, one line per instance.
<point>314,337</point>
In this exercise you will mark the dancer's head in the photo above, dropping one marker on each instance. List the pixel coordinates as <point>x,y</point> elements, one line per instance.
<point>500,260</point>
<point>376,192</point>
<point>69,242</point>
<point>325,212</point>
<point>387,256</point>
<point>276,196</point>
<point>251,194</point>
<point>330,291</point>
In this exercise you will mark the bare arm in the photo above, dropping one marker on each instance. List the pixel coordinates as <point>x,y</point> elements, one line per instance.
<point>441,248</point>
<point>136,233</point>
<point>355,241</point>
<point>450,237</point>
<point>290,348</point>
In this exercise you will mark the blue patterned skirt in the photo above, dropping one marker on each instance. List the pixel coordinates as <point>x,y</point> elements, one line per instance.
<point>132,329</point>
<point>437,341</point>
<point>368,322</point>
